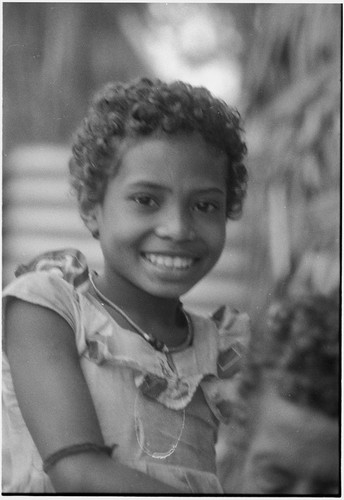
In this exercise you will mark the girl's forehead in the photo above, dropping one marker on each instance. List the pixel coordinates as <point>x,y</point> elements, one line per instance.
<point>175,155</point>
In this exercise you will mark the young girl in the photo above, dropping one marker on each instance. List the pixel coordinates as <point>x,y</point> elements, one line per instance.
<point>110,385</point>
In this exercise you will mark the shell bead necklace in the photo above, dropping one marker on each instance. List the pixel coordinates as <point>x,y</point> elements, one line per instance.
<point>157,344</point>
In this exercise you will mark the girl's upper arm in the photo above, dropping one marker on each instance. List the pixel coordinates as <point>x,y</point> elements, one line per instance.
<point>51,390</point>
<point>56,404</point>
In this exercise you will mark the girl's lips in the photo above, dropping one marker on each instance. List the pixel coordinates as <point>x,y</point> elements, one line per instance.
<point>175,262</point>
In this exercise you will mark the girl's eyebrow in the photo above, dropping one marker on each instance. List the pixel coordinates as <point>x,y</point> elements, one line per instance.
<point>161,187</point>
<point>211,190</point>
<point>146,184</point>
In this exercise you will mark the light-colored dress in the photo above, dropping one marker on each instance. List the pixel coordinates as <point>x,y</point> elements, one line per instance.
<point>161,411</point>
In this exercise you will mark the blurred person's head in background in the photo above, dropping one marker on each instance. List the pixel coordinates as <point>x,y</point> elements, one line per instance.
<point>287,415</point>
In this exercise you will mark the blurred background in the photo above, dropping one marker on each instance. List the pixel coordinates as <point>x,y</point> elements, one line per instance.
<point>279,64</point>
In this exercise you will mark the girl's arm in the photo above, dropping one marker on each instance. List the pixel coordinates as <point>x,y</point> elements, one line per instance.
<point>57,406</point>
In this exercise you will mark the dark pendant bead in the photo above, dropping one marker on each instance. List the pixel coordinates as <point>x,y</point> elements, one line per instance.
<point>158,344</point>
<point>152,386</point>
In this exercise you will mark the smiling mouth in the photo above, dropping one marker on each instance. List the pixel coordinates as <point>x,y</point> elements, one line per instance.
<point>170,262</point>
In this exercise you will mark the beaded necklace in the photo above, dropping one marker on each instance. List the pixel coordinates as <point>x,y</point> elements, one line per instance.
<point>157,344</point>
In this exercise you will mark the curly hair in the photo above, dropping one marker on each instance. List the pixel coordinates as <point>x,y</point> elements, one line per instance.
<point>146,107</point>
<point>300,347</point>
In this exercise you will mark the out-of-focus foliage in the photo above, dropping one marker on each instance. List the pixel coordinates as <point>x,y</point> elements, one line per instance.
<point>292,77</point>
<point>291,42</point>
<point>293,92</point>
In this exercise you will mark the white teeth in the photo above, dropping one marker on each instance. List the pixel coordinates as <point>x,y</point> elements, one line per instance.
<point>169,261</point>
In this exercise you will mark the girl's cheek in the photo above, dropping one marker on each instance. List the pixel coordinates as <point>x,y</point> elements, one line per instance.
<point>218,240</point>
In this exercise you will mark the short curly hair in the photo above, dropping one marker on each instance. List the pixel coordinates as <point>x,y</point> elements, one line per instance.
<point>300,348</point>
<point>146,107</point>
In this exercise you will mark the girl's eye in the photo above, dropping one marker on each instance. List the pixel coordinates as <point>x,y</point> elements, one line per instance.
<point>206,207</point>
<point>145,200</point>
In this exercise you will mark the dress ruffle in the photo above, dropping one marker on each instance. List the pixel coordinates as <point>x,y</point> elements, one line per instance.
<point>153,375</point>
<point>221,390</point>
<point>69,263</point>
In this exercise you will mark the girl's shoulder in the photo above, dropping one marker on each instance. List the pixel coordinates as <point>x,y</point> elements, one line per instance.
<point>52,279</point>
<point>69,264</point>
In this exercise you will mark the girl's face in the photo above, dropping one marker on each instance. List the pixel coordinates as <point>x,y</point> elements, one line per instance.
<point>162,222</point>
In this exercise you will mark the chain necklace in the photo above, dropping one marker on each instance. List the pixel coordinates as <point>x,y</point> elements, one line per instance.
<point>145,435</point>
<point>157,344</point>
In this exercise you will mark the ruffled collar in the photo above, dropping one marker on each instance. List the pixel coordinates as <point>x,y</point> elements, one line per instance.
<point>171,379</point>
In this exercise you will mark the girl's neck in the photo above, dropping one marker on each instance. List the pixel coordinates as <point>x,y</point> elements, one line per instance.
<point>157,315</point>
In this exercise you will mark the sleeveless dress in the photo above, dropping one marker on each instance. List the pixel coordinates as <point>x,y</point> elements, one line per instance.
<point>161,411</point>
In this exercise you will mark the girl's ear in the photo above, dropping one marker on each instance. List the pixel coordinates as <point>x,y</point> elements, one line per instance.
<point>90,219</point>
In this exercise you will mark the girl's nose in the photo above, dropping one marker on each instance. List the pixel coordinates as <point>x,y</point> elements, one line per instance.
<point>177,226</point>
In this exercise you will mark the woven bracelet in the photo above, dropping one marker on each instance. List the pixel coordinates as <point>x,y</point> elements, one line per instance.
<point>74,450</point>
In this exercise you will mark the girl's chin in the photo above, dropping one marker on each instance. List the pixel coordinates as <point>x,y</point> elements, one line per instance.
<point>168,290</point>
<point>170,293</point>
